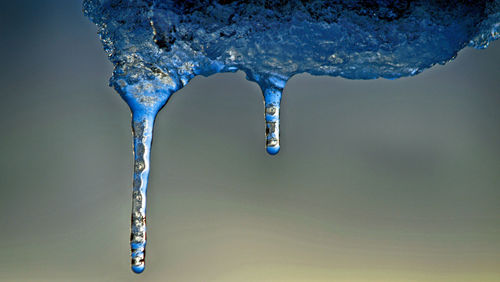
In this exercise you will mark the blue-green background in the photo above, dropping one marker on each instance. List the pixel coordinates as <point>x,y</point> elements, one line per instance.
<point>376,181</point>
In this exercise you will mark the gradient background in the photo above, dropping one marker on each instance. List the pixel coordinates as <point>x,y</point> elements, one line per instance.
<point>376,181</point>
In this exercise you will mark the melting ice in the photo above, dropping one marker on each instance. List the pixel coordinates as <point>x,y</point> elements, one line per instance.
<point>157,46</point>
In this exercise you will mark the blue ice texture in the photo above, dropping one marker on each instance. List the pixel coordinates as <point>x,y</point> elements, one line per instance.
<point>165,43</point>
<point>158,46</point>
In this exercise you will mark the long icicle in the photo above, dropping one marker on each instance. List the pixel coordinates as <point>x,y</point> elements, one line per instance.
<point>142,126</point>
<point>145,101</point>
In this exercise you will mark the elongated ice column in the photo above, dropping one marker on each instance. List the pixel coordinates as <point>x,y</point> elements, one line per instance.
<point>144,100</point>
<point>142,125</point>
<point>157,46</point>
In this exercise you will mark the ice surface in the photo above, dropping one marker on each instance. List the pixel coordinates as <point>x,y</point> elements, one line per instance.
<point>168,42</point>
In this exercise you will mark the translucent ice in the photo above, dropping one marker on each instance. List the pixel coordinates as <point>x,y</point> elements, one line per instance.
<point>157,46</point>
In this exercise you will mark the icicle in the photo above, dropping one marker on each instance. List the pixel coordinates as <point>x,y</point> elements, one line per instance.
<point>272,99</point>
<point>272,90</point>
<point>142,126</point>
<point>144,106</point>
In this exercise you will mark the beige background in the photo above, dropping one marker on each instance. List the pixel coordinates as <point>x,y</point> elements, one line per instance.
<point>376,181</point>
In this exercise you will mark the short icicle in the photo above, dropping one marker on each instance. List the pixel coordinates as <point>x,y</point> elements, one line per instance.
<point>144,106</point>
<point>272,100</point>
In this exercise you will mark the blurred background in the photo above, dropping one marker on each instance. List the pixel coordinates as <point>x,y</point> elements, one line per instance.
<point>376,181</point>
